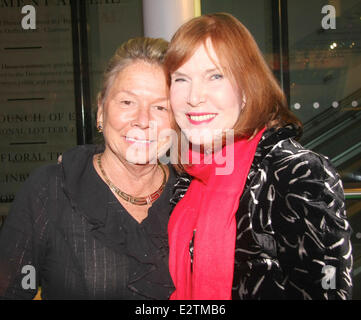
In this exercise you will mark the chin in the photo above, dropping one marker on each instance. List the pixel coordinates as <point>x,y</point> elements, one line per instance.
<point>142,161</point>
<point>142,155</point>
<point>206,141</point>
<point>137,157</point>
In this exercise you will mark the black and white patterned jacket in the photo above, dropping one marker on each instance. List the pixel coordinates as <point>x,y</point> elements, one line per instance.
<point>293,237</point>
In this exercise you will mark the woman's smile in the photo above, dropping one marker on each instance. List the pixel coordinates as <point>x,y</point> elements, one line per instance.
<point>143,142</point>
<point>199,118</point>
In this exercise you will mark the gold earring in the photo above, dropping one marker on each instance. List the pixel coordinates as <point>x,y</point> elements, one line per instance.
<point>100,127</point>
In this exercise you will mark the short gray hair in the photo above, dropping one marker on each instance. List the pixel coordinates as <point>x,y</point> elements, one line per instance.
<point>149,50</point>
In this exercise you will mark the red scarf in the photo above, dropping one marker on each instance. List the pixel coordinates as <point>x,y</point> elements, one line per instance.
<point>209,207</point>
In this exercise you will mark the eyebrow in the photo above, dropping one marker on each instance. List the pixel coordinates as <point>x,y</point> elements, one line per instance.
<point>177,73</point>
<point>213,70</point>
<point>161,99</point>
<point>127,92</point>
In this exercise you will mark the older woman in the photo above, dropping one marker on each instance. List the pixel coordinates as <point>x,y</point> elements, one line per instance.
<point>275,226</point>
<point>95,225</point>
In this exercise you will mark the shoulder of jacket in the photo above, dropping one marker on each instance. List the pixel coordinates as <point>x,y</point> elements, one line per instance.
<point>40,179</point>
<point>36,190</point>
<point>44,173</point>
<point>180,187</point>
<point>287,161</point>
<point>81,152</point>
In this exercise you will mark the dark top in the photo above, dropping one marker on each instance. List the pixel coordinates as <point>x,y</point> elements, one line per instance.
<point>293,236</point>
<point>83,244</point>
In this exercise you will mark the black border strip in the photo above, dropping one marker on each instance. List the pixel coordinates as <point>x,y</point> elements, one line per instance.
<point>26,143</point>
<point>21,48</point>
<point>280,44</point>
<point>81,72</point>
<point>25,99</point>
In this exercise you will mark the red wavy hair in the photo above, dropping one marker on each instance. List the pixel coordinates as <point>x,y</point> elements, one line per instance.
<point>241,59</point>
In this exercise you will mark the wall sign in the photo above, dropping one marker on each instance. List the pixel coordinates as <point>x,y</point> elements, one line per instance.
<point>37,113</point>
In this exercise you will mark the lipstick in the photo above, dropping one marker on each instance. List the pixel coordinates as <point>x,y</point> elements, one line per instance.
<point>199,118</point>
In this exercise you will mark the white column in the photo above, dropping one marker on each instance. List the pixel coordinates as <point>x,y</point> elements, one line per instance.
<point>162,18</point>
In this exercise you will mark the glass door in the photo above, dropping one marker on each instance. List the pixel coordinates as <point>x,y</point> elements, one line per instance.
<point>37,113</point>
<point>314,48</point>
<point>325,93</point>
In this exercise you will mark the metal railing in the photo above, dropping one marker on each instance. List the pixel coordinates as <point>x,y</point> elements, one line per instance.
<point>352,193</point>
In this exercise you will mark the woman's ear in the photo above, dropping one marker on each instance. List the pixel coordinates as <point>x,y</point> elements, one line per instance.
<point>244,101</point>
<point>100,112</point>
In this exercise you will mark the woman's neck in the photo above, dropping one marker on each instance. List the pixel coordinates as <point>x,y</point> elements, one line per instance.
<point>136,179</point>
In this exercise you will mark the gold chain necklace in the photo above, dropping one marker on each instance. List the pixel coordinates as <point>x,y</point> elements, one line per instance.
<point>138,201</point>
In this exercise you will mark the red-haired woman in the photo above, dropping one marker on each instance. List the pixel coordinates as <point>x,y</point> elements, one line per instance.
<point>275,226</point>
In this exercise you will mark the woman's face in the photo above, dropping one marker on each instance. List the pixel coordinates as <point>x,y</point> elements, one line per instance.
<point>203,99</point>
<point>135,113</point>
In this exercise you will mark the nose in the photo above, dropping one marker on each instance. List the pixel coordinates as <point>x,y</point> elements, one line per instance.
<point>196,94</point>
<point>141,118</point>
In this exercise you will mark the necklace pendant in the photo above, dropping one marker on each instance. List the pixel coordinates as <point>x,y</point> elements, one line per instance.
<point>141,201</point>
